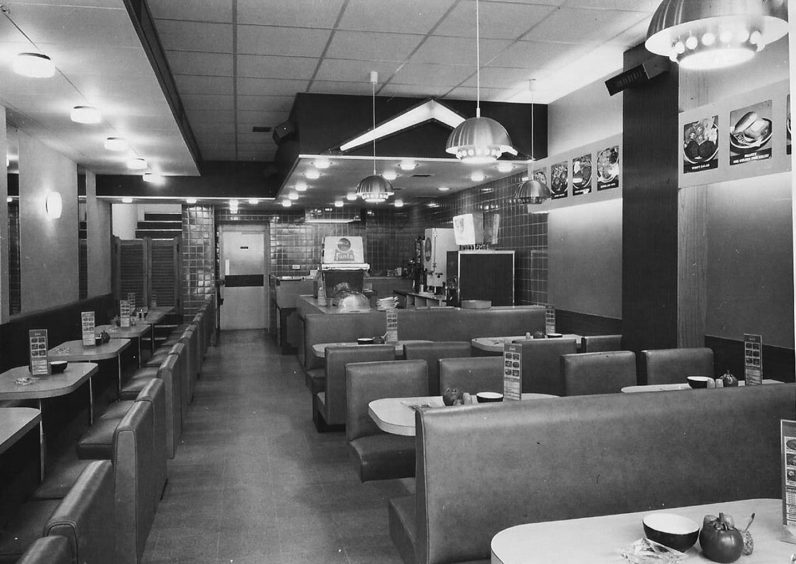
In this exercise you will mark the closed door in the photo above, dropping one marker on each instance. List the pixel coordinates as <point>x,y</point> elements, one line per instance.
<point>243,271</point>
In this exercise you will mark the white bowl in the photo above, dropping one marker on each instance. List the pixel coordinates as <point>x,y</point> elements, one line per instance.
<point>488,397</point>
<point>672,530</point>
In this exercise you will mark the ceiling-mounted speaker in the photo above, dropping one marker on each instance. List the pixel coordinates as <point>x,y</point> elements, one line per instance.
<point>283,131</point>
<point>639,74</point>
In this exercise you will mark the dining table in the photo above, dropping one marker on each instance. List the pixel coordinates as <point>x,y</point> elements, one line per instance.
<point>152,317</point>
<point>397,415</point>
<point>600,540</point>
<point>137,332</point>
<point>495,345</point>
<point>18,384</point>
<point>15,423</point>
<point>76,351</point>
<point>676,387</point>
<point>319,349</point>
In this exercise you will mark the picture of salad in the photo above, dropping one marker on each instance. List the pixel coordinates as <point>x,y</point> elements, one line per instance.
<point>701,140</point>
<point>607,163</point>
<point>559,180</point>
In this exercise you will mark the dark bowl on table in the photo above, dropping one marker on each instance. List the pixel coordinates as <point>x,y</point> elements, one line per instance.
<point>672,530</point>
<point>98,341</point>
<point>489,397</point>
<point>698,381</point>
<point>58,366</point>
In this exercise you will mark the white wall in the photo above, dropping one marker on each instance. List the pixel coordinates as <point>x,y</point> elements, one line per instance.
<point>127,216</point>
<point>98,239</point>
<point>4,299</point>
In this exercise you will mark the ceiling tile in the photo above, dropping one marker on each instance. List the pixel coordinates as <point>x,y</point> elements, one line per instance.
<point>535,54</point>
<point>263,66</point>
<point>354,71</point>
<point>296,42</point>
<point>201,10</point>
<point>219,139</point>
<point>487,94</point>
<point>255,140</point>
<point>500,77</point>
<point>295,13</point>
<point>497,20</point>
<point>403,16</point>
<point>207,102</point>
<point>191,84</point>
<point>107,62</point>
<point>218,153</point>
<point>270,86</point>
<point>632,36</point>
<point>332,87</point>
<point>457,50</point>
<point>265,103</point>
<point>210,116</point>
<point>413,91</point>
<point>76,26</point>
<point>646,6</point>
<point>205,130</point>
<point>593,25</point>
<point>248,119</point>
<point>195,62</point>
<point>434,75</point>
<point>359,45</point>
<point>195,36</point>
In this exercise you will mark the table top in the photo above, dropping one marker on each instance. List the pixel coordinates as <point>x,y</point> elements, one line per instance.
<point>598,539</point>
<point>75,351</point>
<point>14,423</point>
<point>319,349</point>
<point>45,386</point>
<point>133,332</point>
<point>155,315</point>
<point>675,387</point>
<point>397,415</point>
<point>495,344</point>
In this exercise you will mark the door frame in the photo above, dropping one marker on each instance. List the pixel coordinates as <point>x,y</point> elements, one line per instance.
<point>263,228</point>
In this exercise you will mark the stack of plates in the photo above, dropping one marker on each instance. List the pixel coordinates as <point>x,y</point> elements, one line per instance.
<point>386,303</point>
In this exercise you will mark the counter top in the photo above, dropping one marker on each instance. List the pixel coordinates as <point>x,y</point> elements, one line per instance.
<point>307,304</point>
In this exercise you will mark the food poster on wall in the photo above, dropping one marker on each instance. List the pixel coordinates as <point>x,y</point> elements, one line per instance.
<point>581,175</point>
<point>701,145</point>
<point>559,180</point>
<point>541,177</point>
<point>787,128</point>
<point>788,437</point>
<point>750,133</point>
<point>608,168</point>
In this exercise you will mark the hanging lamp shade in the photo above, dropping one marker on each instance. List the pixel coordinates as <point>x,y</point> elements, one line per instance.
<point>374,189</point>
<point>479,140</point>
<point>700,34</point>
<point>532,192</point>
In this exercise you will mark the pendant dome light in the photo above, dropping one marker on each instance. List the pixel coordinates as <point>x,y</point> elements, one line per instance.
<point>532,191</point>
<point>375,188</point>
<point>479,140</point>
<point>705,35</point>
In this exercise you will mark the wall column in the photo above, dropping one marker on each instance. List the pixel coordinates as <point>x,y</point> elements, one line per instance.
<point>4,235</point>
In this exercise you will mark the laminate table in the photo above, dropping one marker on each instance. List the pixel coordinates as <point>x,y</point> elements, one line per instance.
<point>15,422</point>
<point>495,344</point>
<point>155,315</point>
<point>597,540</point>
<point>75,351</point>
<point>397,415</point>
<point>43,387</point>
<point>319,349</point>
<point>137,332</point>
<point>676,387</point>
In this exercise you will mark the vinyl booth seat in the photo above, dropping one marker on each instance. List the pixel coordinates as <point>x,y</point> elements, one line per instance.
<point>672,366</point>
<point>379,455</point>
<point>472,375</point>
<point>598,372</point>
<point>583,456</point>
<point>432,352</point>
<point>601,343</point>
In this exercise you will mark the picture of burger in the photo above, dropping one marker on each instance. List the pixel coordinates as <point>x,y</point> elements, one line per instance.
<point>750,133</point>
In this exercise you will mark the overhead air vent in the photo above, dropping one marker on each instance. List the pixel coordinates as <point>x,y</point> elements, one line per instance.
<point>421,175</point>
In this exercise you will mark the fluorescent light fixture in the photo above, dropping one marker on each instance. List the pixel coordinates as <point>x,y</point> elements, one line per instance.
<point>301,186</point>
<point>328,220</point>
<point>433,205</point>
<point>389,175</point>
<point>86,114</point>
<point>426,111</point>
<point>137,163</point>
<point>233,206</point>
<point>322,163</point>
<point>312,174</point>
<point>254,201</point>
<point>293,196</point>
<point>408,165</point>
<point>127,200</point>
<point>351,196</point>
<point>398,203</point>
<point>286,203</point>
<point>116,144</point>
<point>338,203</point>
<point>190,201</point>
<point>504,166</point>
<point>477,176</point>
<point>443,188</point>
<point>153,178</point>
<point>34,65</point>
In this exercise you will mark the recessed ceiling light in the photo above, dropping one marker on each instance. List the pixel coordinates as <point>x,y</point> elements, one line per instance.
<point>116,144</point>
<point>338,203</point>
<point>301,186</point>
<point>504,166</point>
<point>477,176</point>
<point>322,163</point>
<point>433,205</point>
<point>86,114</point>
<point>408,165</point>
<point>312,174</point>
<point>190,201</point>
<point>389,175</point>
<point>136,163</point>
<point>443,188</point>
<point>9,200</point>
<point>293,196</point>
<point>286,203</point>
<point>398,203</point>
<point>351,196</point>
<point>153,178</point>
<point>254,201</point>
<point>127,200</point>
<point>34,65</point>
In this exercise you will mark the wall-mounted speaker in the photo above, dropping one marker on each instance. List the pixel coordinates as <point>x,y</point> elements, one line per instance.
<point>283,131</point>
<point>639,74</point>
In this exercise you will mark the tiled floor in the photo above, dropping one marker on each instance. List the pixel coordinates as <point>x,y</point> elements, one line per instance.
<point>253,482</point>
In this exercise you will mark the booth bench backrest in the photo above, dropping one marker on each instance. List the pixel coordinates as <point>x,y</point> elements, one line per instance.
<point>482,469</point>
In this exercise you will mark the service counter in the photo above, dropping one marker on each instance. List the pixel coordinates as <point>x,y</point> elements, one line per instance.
<point>284,317</point>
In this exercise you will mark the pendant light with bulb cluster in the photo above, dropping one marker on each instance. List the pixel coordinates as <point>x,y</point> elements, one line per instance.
<point>374,188</point>
<point>479,140</point>
<point>701,34</point>
<point>532,191</point>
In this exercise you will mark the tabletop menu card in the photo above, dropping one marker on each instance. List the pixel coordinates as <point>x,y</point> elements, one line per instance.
<point>124,313</point>
<point>753,359</point>
<point>87,325</point>
<point>131,299</point>
<point>512,371</point>
<point>788,438</point>
<point>550,319</point>
<point>392,326</point>
<point>39,366</point>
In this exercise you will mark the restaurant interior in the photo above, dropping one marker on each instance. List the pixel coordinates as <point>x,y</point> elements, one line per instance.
<point>263,261</point>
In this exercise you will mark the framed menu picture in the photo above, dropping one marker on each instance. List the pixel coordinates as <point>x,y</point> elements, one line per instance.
<point>701,145</point>
<point>607,165</point>
<point>559,180</point>
<point>750,133</point>
<point>581,175</point>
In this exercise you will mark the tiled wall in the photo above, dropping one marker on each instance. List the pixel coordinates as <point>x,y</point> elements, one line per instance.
<point>198,257</point>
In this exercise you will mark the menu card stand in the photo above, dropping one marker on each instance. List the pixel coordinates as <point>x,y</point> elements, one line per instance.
<point>550,319</point>
<point>753,359</point>
<point>87,325</point>
<point>39,364</point>
<point>512,371</point>
<point>392,326</point>
<point>124,313</point>
<point>788,442</point>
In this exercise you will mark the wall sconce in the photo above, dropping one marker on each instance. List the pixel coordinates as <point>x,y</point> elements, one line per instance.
<point>53,205</point>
